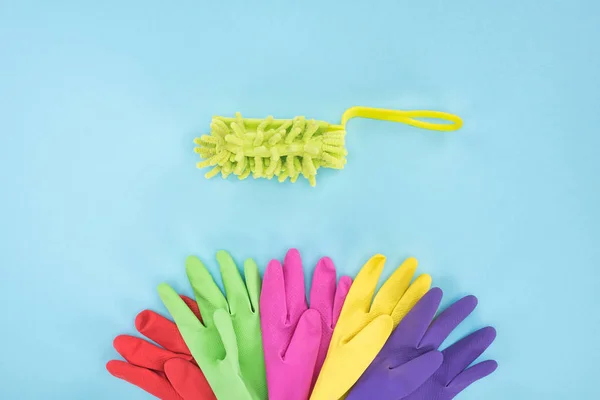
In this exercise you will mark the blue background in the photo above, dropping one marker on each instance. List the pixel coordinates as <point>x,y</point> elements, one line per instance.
<point>101,200</point>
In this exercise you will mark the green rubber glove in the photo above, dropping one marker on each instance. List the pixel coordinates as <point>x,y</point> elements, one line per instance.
<point>228,345</point>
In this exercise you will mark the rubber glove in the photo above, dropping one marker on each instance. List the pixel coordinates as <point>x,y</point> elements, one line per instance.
<point>366,323</point>
<point>410,357</point>
<point>167,372</point>
<point>228,345</point>
<point>296,337</point>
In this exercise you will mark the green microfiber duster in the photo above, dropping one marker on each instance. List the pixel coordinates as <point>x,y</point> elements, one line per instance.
<point>288,148</point>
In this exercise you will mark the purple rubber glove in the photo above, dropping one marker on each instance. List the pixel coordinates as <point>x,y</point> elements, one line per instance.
<point>295,337</point>
<point>409,367</point>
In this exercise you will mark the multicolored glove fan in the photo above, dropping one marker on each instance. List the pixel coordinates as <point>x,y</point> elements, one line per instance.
<point>351,342</point>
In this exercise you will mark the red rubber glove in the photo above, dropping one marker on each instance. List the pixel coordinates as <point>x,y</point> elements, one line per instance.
<point>168,372</point>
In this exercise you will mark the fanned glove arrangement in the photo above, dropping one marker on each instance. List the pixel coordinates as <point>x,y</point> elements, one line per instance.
<point>264,340</point>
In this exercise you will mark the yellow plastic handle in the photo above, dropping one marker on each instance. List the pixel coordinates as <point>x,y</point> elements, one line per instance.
<point>412,117</point>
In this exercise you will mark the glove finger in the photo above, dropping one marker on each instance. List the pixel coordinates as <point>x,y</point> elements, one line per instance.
<point>224,326</point>
<point>341,293</point>
<point>188,380</point>
<point>411,329</point>
<point>322,290</point>
<point>184,317</point>
<point>327,331</point>
<point>161,330</point>
<point>462,353</point>
<point>414,293</point>
<point>362,290</point>
<point>372,337</point>
<point>235,288</point>
<point>253,283</point>
<point>305,341</point>
<point>394,288</point>
<point>143,378</point>
<point>367,343</point>
<point>471,375</point>
<point>178,309</point>
<point>273,311</point>
<point>295,292</point>
<point>302,354</point>
<point>249,337</point>
<point>448,320</point>
<point>207,293</point>
<point>142,353</point>
<point>191,303</point>
<point>409,376</point>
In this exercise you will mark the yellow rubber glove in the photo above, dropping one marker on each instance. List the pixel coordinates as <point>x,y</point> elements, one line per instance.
<point>366,323</point>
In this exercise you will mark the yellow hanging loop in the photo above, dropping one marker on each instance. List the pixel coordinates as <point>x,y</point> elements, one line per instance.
<point>413,117</point>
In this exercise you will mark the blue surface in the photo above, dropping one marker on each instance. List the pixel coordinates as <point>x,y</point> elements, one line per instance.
<point>101,200</point>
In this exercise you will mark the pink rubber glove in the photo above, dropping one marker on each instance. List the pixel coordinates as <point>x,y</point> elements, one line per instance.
<point>295,337</point>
